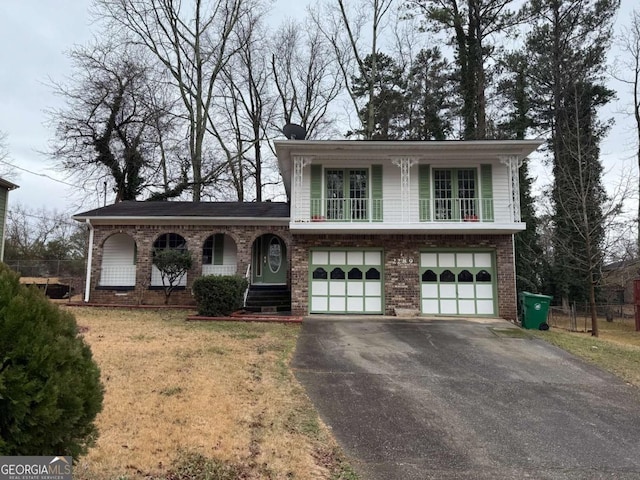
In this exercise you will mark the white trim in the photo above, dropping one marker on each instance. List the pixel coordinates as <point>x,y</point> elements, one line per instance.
<point>87,285</point>
<point>424,228</point>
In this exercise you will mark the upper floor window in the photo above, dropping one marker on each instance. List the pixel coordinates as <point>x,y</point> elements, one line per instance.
<point>455,194</point>
<point>347,194</point>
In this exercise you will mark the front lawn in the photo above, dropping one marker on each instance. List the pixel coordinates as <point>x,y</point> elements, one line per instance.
<point>182,398</point>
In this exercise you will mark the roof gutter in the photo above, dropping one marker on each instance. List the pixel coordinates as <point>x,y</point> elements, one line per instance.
<point>87,285</point>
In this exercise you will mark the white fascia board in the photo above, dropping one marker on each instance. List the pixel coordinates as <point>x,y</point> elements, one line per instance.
<point>403,228</point>
<point>182,220</point>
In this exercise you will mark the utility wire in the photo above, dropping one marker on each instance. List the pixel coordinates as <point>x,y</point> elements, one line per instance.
<point>43,175</point>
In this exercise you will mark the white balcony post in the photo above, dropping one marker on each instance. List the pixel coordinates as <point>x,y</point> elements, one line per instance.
<point>513,163</point>
<point>405,165</point>
<point>298,172</point>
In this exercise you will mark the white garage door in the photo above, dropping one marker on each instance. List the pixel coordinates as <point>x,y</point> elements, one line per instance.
<point>346,281</point>
<point>458,283</point>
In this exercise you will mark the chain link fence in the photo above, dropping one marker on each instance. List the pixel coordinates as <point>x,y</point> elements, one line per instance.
<point>577,316</point>
<point>58,279</point>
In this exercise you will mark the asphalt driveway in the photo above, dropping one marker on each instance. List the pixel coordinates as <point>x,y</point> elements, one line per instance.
<point>455,399</point>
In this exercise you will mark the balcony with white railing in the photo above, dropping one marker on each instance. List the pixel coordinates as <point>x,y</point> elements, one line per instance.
<point>457,210</point>
<point>443,215</point>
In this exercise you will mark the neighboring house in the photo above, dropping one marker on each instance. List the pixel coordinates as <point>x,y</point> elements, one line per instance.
<point>617,281</point>
<point>5,188</point>
<point>370,227</point>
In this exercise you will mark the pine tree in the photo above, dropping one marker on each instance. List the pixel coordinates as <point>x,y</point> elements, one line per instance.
<point>515,91</point>
<point>566,50</point>
<point>429,97</point>
<point>389,86</point>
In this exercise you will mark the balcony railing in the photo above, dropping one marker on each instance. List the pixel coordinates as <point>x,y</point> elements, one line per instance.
<point>346,210</point>
<point>456,210</point>
<point>427,210</point>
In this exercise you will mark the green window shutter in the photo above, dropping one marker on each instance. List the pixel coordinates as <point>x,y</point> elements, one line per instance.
<point>316,191</point>
<point>376,192</point>
<point>486,192</point>
<point>218,249</point>
<point>425,193</point>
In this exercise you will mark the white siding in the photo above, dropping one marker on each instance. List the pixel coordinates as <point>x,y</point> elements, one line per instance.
<point>501,199</point>
<point>392,193</point>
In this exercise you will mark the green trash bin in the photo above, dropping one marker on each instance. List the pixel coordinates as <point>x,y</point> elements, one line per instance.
<point>534,309</point>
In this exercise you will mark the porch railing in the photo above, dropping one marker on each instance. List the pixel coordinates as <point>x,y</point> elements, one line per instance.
<point>118,276</point>
<point>219,269</point>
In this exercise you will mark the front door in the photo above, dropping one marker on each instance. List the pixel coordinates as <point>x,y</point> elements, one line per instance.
<point>269,260</point>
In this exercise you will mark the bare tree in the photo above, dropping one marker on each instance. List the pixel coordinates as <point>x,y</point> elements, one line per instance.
<point>7,171</point>
<point>306,76</point>
<point>629,43</point>
<point>344,28</point>
<point>193,42</point>
<point>246,107</point>
<point>112,122</point>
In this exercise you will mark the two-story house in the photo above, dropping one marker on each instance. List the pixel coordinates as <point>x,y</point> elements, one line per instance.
<point>370,227</point>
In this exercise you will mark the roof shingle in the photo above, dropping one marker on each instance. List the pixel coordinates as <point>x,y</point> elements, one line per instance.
<point>190,209</point>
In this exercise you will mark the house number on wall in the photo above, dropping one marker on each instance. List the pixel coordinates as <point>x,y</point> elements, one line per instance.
<point>402,260</point>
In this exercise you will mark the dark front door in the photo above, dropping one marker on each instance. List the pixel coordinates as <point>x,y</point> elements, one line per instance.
<point>269,260</point>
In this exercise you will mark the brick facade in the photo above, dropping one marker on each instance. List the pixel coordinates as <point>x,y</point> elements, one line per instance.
<point>195,236</point>
<point>402,281</point>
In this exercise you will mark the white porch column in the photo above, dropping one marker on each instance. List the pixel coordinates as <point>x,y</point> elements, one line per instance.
<point>513,163</point>
<point>405,164</point>
<point>300,205</point>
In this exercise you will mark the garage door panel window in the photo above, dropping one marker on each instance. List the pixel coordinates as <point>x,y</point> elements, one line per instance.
<point>320,273</point>
<point>429,276</point>
<point>447,277</point>
<point>355,274</point>
<point>373,274</point>
<point>483,276</point>
<point>337,274</point>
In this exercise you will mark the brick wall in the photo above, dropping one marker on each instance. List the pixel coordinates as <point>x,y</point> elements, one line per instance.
<point>401,281</point>
<point>195,236</point>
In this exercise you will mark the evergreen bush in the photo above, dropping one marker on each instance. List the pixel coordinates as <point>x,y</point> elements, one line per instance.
<point>219,296</point>
<point>50,390</point>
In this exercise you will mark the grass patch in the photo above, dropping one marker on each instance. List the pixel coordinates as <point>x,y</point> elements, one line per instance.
<point>616,350</point>
<point>196,400</point>
<point>170,391</point>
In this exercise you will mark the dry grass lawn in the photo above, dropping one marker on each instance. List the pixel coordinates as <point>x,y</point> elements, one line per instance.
<point>220,390</point>
<point>617,348</point>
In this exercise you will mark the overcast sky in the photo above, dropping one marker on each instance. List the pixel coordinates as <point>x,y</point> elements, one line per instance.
<point>35,35</point>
